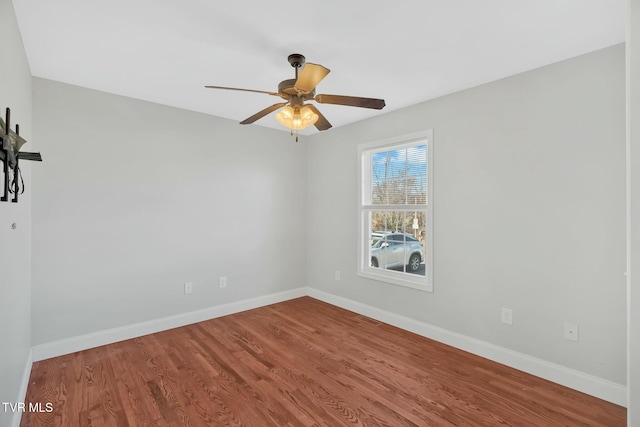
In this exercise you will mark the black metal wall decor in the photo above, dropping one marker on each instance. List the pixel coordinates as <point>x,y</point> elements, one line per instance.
<point>10,155</point>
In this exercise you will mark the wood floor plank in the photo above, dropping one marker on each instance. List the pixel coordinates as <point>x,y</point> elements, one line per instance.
<point>298,363</point>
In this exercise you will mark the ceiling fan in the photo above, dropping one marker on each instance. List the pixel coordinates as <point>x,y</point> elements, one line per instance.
<point>295,113</point>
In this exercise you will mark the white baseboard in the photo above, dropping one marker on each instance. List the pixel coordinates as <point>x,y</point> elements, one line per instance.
<point>22,393</point>
<point>109,336</point>
<point>594,386</point>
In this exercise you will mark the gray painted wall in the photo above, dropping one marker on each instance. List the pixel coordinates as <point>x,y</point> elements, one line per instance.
<point>633,70</point>
<point>137,198</point>
<point>529,212</point>
<point>15,245</point>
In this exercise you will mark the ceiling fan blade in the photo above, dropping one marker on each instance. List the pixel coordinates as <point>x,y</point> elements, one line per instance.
<point>352,101</point>
<point>310,76</point>
<point>322,123</point>
<point>263,113</point>
<point>243,90</point>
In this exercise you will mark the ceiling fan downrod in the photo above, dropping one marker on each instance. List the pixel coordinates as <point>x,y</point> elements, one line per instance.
<point>297,61</point>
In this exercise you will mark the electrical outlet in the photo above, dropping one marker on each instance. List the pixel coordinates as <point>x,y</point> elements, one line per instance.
<point>188,288</point>
<point>507,316</point>
<point>570,331</point>
<point>223,282</point>
<point>336,275</point>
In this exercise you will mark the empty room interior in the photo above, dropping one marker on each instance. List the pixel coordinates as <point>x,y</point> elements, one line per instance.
<point>444,231</point>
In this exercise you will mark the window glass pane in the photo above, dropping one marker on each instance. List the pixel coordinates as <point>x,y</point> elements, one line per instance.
<point>411,222</point>
<point>395,243</point>
<point>399,176</point>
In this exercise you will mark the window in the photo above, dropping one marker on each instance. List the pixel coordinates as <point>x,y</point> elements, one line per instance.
<point>395,208</point>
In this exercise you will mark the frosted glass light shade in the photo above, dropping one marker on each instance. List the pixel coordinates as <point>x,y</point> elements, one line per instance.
<point>296,118</point>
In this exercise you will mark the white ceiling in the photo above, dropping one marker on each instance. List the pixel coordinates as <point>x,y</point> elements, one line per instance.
<point>405,51</point>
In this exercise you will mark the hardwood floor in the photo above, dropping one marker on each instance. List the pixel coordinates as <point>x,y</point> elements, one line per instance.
<point>297,363</point>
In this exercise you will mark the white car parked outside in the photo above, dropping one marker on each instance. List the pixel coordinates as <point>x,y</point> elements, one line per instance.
<point>397,250</point>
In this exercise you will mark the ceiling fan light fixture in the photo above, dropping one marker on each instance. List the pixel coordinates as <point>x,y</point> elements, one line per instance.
<point>296,117</point>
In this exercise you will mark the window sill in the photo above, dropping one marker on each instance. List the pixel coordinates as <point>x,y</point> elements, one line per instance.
<point>397,278</point>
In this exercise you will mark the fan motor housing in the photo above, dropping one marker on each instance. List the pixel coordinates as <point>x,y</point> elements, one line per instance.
<point>288,87</point>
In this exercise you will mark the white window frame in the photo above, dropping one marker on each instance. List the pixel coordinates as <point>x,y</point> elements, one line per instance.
<point>424,283</point>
